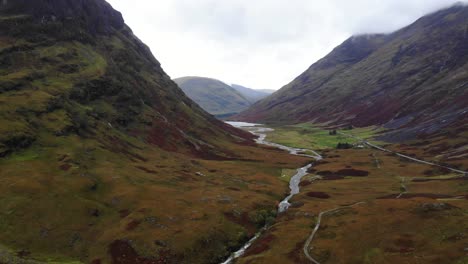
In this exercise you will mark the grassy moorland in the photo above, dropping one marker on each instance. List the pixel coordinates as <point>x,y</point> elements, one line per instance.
<point>73,201</point>
<point>407,215</point>
<point>104,160</point>
<point>312,136</point>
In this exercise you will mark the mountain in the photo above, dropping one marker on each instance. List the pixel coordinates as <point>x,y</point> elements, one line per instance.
<point>413,82</point>
<point>268,91</point>
<point>55,79</point>
<point>216,97</point>
<point>251,94</point>
<point>103,159</point>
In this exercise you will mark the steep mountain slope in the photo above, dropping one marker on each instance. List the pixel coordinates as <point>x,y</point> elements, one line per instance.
<point>413,81</point>
<point>103,159</point>
<point>251,94</point>
<point>57,67</point>
<point>215,97</point>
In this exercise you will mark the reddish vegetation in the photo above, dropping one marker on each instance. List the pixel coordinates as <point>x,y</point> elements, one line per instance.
<point>96,261</point>
<point>304,183</point>
<point>352,172</point>
<point>164,135</point>
<point>320,195</point>
<point>146,170</point>
<point>65,167</point>
<point>333,178</point>
<point>133,224</point>
<point>123,253</point>
<point>124,213</point>
<point>340,174</point>
<point>242,220</point>
<point>402,245</point>
<point>297,253</point>
<point>261,245</point>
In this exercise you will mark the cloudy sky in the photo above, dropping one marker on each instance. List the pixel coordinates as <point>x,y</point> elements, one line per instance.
<point>262,44</point>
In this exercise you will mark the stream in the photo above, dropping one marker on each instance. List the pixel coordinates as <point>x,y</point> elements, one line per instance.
<point>283,206</point>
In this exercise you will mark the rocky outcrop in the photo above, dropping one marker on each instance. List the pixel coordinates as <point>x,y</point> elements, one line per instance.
<point>97,15</point>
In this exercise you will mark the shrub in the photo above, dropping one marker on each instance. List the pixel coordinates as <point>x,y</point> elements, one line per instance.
<point>344,146</point>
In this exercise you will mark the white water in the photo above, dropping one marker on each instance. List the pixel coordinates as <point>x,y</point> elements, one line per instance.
<point>293,183</point>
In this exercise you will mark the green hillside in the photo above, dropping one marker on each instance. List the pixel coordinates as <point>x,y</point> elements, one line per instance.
<point>103,159</point>
<point>215,97</point>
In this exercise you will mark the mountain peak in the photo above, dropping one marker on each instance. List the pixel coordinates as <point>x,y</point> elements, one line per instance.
<point>414,75</point>
<point>97,15</point>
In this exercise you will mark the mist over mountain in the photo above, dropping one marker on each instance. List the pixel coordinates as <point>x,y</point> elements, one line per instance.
<point>412,81</point>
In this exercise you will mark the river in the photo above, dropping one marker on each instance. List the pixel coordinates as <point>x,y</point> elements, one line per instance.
<point>259,130</point>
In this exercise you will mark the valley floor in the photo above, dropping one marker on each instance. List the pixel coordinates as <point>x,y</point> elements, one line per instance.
<point>85,204</point>
<point>366,206</point>
<point>78,204</point>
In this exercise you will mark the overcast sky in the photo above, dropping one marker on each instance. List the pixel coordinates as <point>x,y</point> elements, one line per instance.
<point>262,44</point>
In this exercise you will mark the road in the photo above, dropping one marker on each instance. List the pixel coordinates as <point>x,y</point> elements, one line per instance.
<point>363,141</point>
<point>317,226</point>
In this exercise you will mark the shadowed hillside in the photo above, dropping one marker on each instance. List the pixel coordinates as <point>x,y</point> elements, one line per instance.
<point>104,159</point>
<point>412,82</point>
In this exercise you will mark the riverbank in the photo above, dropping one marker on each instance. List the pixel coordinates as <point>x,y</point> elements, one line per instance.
<point>425,221</point>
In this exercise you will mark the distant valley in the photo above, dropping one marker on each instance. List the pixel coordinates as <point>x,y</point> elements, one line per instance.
<point>218,98</point>
<point>413,83</point>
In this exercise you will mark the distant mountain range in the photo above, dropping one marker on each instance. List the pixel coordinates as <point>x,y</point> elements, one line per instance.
<point>251,94</point>
<point>218,98</point>
<point>413,82</point>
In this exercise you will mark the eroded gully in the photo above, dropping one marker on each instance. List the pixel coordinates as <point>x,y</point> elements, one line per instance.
<point>259,131</point>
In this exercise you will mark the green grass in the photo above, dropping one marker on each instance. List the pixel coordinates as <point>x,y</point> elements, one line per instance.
<point>305,136</point>
<point>311,136</point>
<point>314,137</point>
<point>367,133</point>
<point>26,155</point>
<point>286,174</point>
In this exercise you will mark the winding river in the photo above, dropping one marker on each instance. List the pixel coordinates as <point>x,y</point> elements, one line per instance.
<point>260,131</point>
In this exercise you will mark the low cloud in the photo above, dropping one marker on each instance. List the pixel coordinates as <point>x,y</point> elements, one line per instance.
<point>262,44</point>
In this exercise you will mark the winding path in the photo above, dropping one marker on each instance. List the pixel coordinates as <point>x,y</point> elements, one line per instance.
<point>301,172</point>
<point>403,187</point>
<point>363,141</point>
<point>317,226</point>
